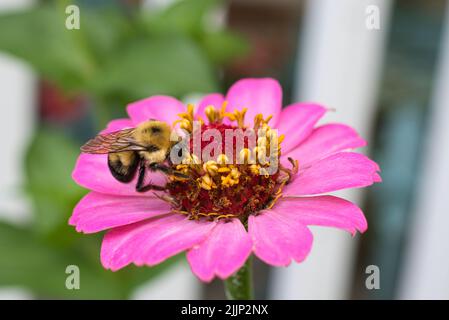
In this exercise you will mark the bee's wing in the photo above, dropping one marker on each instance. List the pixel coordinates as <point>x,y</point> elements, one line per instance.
<point>117,141</point>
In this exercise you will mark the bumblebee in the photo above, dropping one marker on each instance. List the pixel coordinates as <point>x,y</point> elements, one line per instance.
<point>147,146</point>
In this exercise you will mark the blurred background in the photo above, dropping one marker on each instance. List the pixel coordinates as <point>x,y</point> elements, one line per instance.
<point>386,77</point>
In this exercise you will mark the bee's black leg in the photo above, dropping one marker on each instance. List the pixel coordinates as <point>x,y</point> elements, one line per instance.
<point>160,167</point>
<point>149,187</point>
<point>140,187</point>
<point>167,170</point>
<point>141,177</point>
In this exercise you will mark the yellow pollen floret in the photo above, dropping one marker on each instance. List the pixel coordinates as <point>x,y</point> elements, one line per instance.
<point>183,168</point>
<point>211,167</point>
<point>255,169</point>
<point>224,170</point>
<point>227,181</point>
<point>235,173</point>
<point>222,159</point>
<point>231,179</point>
<point>207,182</point>
<point>190,159</point>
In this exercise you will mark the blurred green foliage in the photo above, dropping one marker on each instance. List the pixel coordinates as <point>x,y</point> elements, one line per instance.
<point>116,57</point>
<point>36,256</point>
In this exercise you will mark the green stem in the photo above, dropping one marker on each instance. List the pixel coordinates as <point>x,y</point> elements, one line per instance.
<point>239,286</point>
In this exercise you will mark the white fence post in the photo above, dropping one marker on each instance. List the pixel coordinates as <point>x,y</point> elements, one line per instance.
<point>17,92</point>
<point>17,117</point>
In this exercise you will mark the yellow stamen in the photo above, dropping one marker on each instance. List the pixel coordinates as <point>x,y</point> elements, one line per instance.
<point>214,115</point>
<point>259,121</point>
<point>261,153</point>
<point>238,116</point>
<point>224,105</point>
<point>186,125</point>
<point>262,142</point>
<point>186,121</point>
<point>245,156</point>
<point>211,114</point>
<point>281,138</point>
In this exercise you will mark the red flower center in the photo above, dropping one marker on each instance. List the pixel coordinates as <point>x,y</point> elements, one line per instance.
<point>231,182</point>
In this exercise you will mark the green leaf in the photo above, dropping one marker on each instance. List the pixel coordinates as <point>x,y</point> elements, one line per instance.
<point>147,66</point>
<point>26,261</point>
<point>39,266</point>
<point>49,162</point>
<point>222,46</point>
<point>39,36</point>
<point>183,17</point>
<point>103,31</point>
<point>188,18</point>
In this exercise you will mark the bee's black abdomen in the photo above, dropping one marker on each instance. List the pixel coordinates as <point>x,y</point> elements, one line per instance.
<point>120,171</point>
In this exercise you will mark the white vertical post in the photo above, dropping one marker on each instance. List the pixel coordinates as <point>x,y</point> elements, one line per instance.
<point>17,116</point>
<point>17,92</point>
<point>341,60</point>
<point>425,271</point>
<point>156,4</point>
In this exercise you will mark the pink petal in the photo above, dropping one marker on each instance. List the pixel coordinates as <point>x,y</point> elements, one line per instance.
<point>325,141</point>
<point>326,211</point>
<point>151,241</point>
<point>223,252</point>
<point>92,172</point>
<point>97,211</point>
<point>213,99</point>
<point>297,122</point>
<point>377,178</point>
<point>163,108</point>
<point>339,171</point>
<point>259,96</point>
<point>277,239</point>
<point>118,124</point>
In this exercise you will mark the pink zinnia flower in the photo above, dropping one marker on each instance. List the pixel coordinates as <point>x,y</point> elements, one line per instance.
<point>144,229</point>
